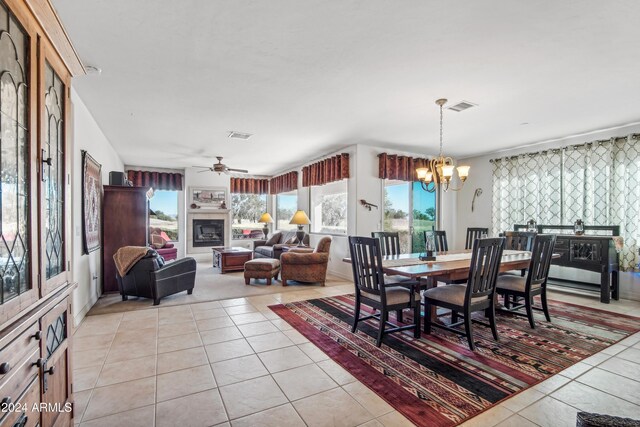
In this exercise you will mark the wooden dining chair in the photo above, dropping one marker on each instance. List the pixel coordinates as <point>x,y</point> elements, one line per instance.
<point>476,295</point>
<point>513,287</point>
<point>474,233</point>
<point>373,290</point>
<point>389,242</point>
<point>439,238</point>
<point>519,241</point>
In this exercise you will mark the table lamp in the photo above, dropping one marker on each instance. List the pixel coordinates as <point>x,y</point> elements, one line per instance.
<point>300,219</point>
<point>266,220</point>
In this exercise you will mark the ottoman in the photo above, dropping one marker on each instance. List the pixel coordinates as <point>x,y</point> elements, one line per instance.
<point>261,268</point>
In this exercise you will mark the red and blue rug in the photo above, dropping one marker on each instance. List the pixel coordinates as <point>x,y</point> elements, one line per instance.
<point>436,380</point>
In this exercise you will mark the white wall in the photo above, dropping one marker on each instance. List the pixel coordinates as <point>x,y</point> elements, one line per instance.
<point>480,176</point>
<point>86,269</point>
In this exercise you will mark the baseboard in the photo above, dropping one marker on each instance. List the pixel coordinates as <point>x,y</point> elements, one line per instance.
<point>340,274</point>
<point>77,319</point>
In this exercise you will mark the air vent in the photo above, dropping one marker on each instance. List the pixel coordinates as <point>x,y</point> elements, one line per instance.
<point>240,135</point>
<point>462,105</point>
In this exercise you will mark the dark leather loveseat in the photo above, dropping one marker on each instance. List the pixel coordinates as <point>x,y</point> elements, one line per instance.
<point>151,278</point>
<point>272,248</point>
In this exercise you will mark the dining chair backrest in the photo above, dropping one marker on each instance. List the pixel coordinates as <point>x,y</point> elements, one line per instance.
<point>484,268</point>
<point>439,238</point>
<point>474,233</point>
<point>541,254</point>
<point>366,263</point>
<point>389,242</point>
<point>519,240</point>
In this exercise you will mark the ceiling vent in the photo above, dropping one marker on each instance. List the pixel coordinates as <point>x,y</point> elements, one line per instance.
<point>462,105</point>
<point>240,135</point>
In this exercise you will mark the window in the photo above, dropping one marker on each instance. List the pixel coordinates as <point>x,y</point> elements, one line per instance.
<point>286,206</point>
<point>164,213</point>
<point>329,208</point>
<point>410,211</point>
<point>247,209</point>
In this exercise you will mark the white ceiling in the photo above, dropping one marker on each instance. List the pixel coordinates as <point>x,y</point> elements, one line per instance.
<point>307,77</point>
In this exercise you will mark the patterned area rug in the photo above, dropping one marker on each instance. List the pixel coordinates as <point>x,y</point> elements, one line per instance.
<point>437,380</point>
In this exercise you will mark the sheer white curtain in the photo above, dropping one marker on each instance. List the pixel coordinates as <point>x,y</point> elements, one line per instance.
<point>597,182</point>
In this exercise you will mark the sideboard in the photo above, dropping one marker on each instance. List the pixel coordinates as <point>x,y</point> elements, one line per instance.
<point>591,252</point>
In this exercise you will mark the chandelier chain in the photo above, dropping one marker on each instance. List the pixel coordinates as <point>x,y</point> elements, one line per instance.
<point>440,130</point>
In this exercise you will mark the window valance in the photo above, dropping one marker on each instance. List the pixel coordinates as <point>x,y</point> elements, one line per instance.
<point>156,180</point>
<point>325,171</point>
<point>249,185</point>
<point>403,168</point>
<point>283,183</point>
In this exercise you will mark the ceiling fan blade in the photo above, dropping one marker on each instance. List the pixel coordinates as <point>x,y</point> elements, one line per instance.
<point>238,170</point>
<point>205,170</point>
<point>203,167</point>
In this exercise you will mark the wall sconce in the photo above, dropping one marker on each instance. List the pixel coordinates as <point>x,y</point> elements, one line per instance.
<point>367,205</point>
<point>477,193</point>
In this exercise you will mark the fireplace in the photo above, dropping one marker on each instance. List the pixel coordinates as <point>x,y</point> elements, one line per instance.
<point>207,228</point>
<point>208,232</point>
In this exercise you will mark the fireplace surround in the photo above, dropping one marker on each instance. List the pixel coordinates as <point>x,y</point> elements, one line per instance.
<point>208,229</point>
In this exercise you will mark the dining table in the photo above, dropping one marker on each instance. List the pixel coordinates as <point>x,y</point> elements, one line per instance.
<point>447,267</point>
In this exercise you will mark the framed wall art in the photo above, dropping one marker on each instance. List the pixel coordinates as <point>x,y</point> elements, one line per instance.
<point>207,198</point>
<point>91,203</point>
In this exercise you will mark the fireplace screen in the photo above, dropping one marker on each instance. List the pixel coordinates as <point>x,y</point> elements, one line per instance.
<point>208,232</point>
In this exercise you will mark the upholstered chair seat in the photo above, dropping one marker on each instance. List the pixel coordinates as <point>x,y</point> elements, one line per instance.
<point>395,295</point>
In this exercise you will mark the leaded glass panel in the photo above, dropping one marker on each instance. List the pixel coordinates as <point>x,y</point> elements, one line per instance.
<point>53,173</point>
<point>14,158</point>
<point>56,333</point>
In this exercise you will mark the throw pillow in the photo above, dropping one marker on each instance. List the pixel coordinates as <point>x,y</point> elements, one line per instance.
<point>273,240</point>
<point>157,241</point>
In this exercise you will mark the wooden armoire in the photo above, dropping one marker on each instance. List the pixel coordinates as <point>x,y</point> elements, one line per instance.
<point>37,62</point>
<point>125,222</point>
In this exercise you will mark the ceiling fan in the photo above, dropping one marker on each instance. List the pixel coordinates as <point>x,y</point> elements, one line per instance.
<point>220,168</point>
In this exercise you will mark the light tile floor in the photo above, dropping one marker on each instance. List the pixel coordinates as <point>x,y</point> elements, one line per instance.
<point>235,363</point>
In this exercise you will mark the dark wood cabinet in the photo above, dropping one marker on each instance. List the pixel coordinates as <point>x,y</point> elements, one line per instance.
<point>37,62</point>
<point>590,252</point>
<point>125,222</point>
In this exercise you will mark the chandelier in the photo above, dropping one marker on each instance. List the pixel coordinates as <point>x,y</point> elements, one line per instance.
<point>439,170</point>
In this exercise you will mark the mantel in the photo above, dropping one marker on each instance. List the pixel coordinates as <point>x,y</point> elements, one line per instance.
<point>208,211</point>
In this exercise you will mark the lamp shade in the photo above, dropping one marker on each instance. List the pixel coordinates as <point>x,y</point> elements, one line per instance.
<point>266,218</point>
<point>300,218</point>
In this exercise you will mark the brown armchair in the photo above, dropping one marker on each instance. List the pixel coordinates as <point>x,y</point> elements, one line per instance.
<point>305,266</point>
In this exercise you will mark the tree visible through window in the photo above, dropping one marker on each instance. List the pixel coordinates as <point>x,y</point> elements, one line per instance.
<point>247,209</point>
<point>409,211</point>
<point>164,212</point>
<point>286,206</point>
<point>329,208</point>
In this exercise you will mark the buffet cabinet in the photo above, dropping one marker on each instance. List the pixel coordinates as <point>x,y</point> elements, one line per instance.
<point>37,62</point>
<point>590,252</point>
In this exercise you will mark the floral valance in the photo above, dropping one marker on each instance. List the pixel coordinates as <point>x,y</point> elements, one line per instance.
<point>403,168</point>
<point>249,185</point>
<point>325,171</point>
<point>156,180</point>
<point>283,183</point>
